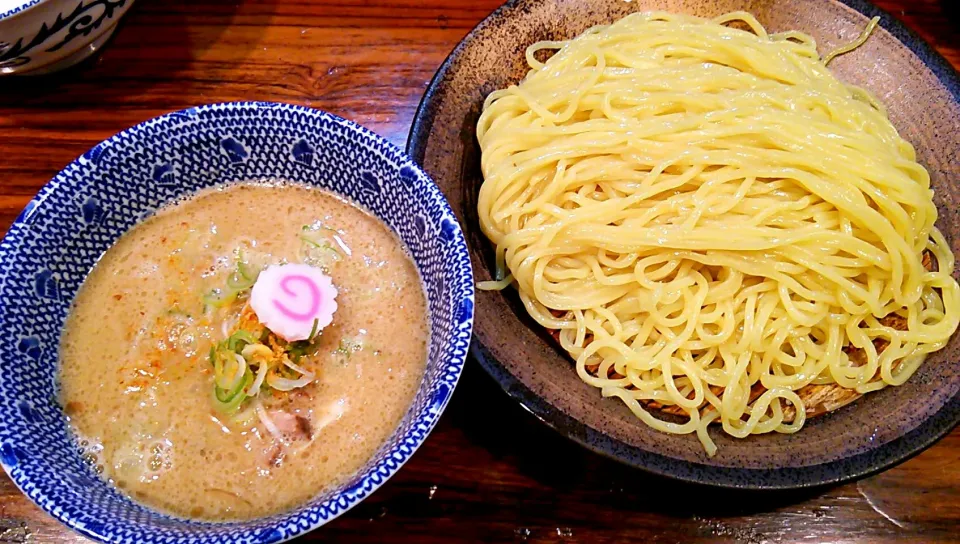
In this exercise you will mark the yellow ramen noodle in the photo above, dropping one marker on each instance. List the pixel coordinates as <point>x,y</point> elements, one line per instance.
<point>702,211</point>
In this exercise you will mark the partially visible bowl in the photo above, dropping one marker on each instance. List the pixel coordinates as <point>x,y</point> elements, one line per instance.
<point>58,238</point>
<point>43,36</point>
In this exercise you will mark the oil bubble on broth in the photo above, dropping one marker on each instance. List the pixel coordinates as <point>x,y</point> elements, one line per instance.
<point>184,400</point>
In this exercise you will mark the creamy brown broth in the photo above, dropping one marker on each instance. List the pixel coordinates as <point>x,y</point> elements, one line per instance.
<point>136,380</point>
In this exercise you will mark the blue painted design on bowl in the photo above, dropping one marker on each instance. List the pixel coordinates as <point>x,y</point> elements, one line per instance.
<point>95,153</point>
<point>30,346</point>
<point>164,175</point>
<point>369,182</point>
<point>93,212</point>
<point>46,285</point>
<point>10,455</point>
<point>235,151</point>
<point>303,153</point>
<point>408,174</point>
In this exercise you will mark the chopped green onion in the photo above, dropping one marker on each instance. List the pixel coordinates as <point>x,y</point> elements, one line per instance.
<point>298,369</point>
<point>238,282</point>
<point>239,339</point>
<point>246,272</point>
<point>254,352</point>
<point>323,244</point>
<point>217,359</point>
<point>220,298</point>
<point>284,384</point>
<point>228,379</point>
<point>226,391</point>
<point>348,346</point>
<point>254,389</point>
<point>296,350</point>
<point>309,241</point>
<point>224,395</point>
<point>229,402</point>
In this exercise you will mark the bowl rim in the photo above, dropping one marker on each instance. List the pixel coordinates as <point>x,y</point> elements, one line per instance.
<point>365,484</point>
<point>23,6</point>
<point>834,472</point>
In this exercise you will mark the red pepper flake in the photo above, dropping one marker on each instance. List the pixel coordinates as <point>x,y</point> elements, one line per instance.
<point>118,296</point>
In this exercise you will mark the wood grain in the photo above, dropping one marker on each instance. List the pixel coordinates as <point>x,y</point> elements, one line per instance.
<point>490,472</point>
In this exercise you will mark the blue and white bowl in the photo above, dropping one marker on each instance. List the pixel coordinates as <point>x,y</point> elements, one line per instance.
<point>43,36</point>
<point>58,238</point>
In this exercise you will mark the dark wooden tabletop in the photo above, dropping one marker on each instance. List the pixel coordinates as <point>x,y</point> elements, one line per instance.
<point>490,472</point>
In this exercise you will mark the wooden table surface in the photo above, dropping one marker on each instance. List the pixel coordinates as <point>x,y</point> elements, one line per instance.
<point>490,472</point>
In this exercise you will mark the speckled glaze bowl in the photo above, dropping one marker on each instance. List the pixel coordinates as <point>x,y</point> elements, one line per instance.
<point>61,234</point>
<point>922,93</point>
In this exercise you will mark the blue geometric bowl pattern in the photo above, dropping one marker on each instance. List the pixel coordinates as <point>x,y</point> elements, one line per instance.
<point>17,9</point>
<point>58,238</point>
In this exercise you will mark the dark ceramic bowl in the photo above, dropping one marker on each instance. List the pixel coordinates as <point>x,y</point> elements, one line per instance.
<point>922,93</point>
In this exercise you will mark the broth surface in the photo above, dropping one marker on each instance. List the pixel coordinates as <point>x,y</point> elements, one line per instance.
<point>136,378</point>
